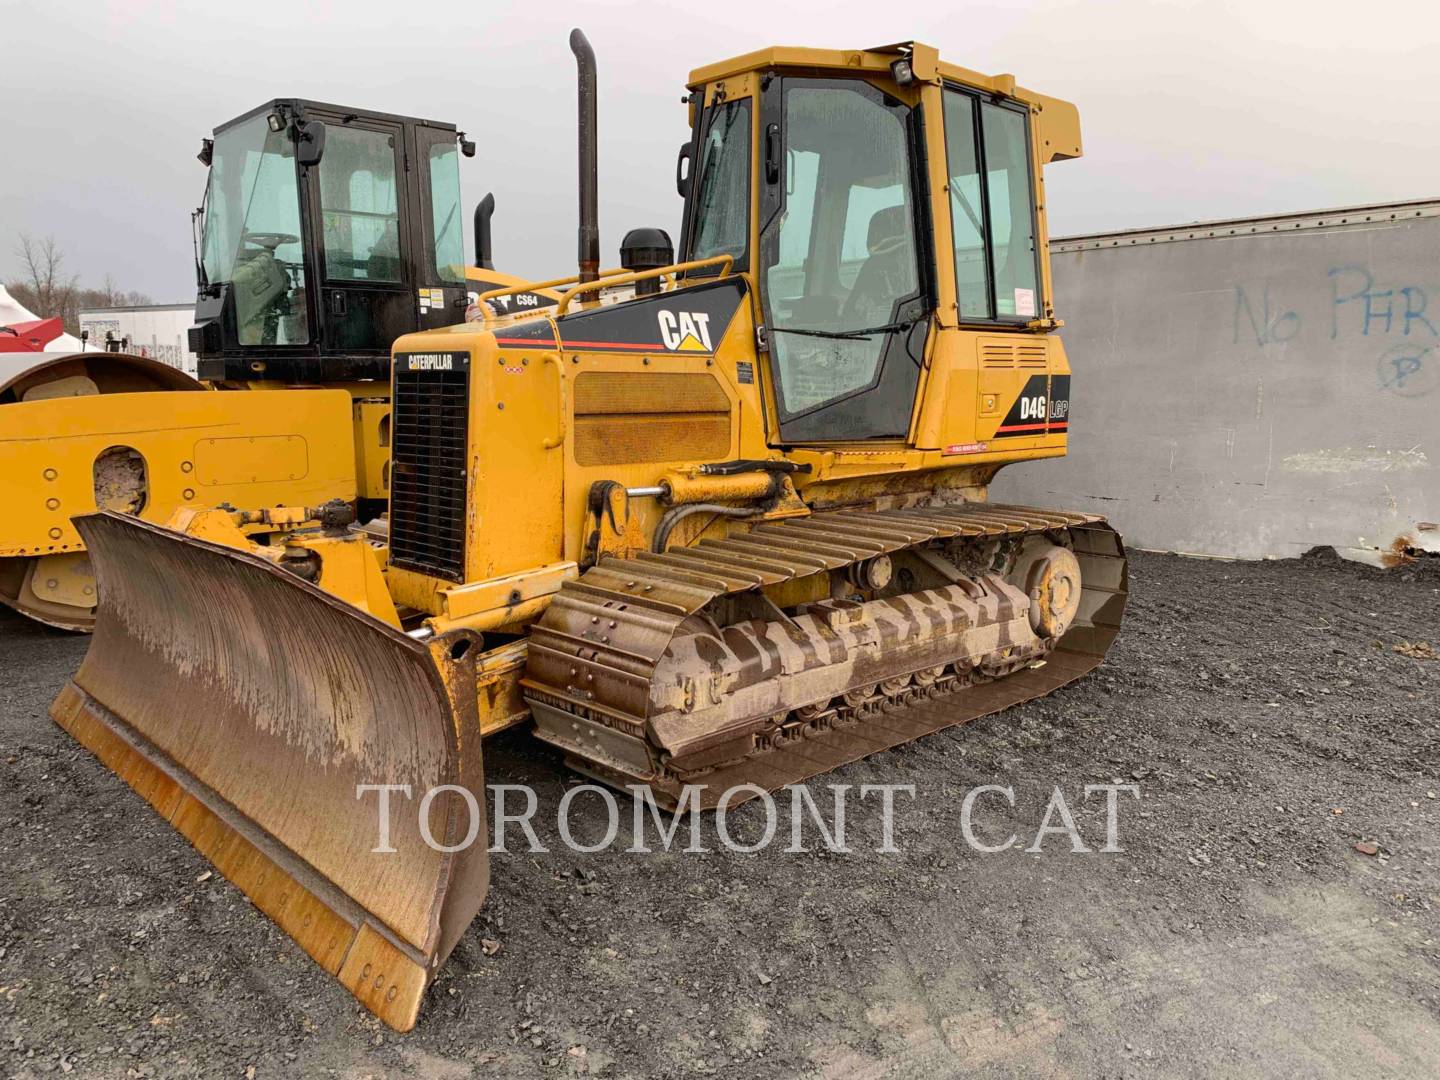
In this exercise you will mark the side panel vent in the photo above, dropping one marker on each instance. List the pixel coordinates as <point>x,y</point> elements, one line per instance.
<point>430,412</point>
<point>1009,355</point>
<point>1032,355</point>
<point>624,418</point>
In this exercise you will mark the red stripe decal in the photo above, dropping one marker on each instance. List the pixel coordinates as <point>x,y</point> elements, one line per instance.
<point>655,347</point>
<point>1055,425</point>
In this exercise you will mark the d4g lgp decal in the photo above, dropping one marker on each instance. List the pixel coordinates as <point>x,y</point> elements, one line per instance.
<point>1043,407</point>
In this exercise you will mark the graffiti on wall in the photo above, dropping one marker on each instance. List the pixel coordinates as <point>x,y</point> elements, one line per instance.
<point>1358,306</point>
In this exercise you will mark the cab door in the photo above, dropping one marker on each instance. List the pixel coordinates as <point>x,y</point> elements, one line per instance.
<point>357,194</point>
<point>845,262</point>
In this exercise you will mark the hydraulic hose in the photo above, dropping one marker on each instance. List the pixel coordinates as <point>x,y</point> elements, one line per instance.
<point>677,514</point>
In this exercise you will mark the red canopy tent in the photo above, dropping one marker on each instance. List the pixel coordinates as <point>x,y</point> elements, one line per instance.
<point>30,336</point>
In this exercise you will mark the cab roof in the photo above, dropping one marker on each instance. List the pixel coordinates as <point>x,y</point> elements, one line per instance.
<point>1059,120</point>
<point>304,105</point>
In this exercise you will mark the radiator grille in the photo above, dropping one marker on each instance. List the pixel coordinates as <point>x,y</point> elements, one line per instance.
<point>427,480</point>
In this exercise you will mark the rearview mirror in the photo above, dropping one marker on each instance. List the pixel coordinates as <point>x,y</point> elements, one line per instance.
<point>310,140</point>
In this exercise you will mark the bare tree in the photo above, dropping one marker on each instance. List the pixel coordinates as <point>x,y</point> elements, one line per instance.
<point>50,289</point>
<point>49,292</point>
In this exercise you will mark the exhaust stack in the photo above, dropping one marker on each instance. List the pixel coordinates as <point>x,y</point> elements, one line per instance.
<point>484,259</point>
<point>589,156</point>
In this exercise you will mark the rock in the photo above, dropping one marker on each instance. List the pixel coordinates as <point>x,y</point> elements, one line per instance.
<point>1416,650</point>
<point>765,980</point>
<point>1365,847</point>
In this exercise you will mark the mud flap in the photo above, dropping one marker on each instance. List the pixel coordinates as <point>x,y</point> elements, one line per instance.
<point>248,706</point>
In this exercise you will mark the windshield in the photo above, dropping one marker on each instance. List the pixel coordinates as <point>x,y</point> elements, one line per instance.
<point>251,233</point>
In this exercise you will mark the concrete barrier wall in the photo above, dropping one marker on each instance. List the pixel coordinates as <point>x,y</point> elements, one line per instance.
<point>1254,389</point>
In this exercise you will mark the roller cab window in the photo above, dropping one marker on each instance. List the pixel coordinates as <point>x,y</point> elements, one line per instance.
<point>359,210</point>
<point>992,208</point>
<point>371,233</point>
<point>447,238</point>
<point>251,233</point>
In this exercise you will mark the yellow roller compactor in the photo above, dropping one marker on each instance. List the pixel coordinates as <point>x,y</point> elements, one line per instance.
<point>326,233</point>
<point>711,521</point>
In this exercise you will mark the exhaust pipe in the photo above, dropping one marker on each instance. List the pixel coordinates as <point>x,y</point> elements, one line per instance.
<point>589,155</point>
<point>484,259</point>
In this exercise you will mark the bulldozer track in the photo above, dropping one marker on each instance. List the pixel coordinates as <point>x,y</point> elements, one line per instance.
<point>595,653</point>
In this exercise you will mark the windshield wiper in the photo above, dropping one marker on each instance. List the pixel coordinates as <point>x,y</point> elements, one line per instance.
<point>849,335</point>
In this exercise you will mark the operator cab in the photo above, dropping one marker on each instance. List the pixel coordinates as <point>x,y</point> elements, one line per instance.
<point>326,233</point>
<point>879,201</point>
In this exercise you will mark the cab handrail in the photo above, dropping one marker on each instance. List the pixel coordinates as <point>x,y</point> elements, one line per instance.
<point>529,286</point>
<point>607,281</point>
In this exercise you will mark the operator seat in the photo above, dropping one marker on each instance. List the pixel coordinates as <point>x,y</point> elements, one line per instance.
<point>888,272</point>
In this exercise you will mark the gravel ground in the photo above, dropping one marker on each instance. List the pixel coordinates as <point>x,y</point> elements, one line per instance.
<point>1262,710</point>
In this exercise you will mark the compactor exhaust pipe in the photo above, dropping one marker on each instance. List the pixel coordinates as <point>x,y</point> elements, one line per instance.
<point>589,159</point>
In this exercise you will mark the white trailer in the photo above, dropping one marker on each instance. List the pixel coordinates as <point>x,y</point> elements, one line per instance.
<point>158,331</point>
<point>1254,388</point>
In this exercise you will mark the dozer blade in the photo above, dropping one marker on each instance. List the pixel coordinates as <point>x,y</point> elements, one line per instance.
<point>247,706</point>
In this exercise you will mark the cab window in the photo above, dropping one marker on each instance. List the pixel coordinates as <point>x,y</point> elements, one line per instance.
<point>992,208</point>
<point>358,206</point>
<point>722,205</point>
<point>251,233</point>
<point>445,217</point>
<point>841,259</point>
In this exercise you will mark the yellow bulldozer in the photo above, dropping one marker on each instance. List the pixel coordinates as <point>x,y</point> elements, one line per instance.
<point>326,232</point>
<point>707,521</point>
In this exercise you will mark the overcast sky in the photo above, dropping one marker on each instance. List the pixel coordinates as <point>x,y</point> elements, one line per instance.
<point>1191,109</point>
